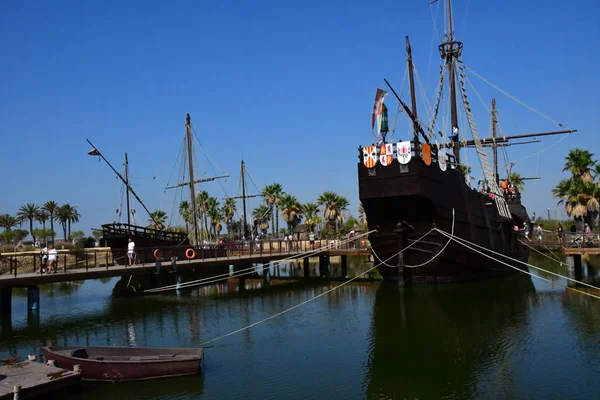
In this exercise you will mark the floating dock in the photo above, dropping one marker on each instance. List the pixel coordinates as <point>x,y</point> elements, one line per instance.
<point>29,379</point>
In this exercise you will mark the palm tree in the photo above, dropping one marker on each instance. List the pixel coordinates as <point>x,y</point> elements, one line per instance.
<point>277,193</point>
<point>201,205</point>
<point>291,211</point>
<point>335,208</point>
<point>268,196</point>
<point>51,207</point>
<point>261,216</point>
<point>362,217</point>
<point>580,163</point>
<point>28,212</point>
<point>157,220</point>
<point>42,217</point>
<point>517,181</point>
<point>7,221</point>
<point>184,211</point>
<point>212,211</point>
<point>228,210</point>
<point>72,215</point>
<point>311,212</point>
<point>581,199</point>
<point>62,215</point>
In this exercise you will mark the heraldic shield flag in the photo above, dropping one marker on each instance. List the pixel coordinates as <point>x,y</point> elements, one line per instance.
<point>369,156</point>
<point>403,152</point>
<point>426,153</point>
<point>386,154</point>
<point>442,160</point>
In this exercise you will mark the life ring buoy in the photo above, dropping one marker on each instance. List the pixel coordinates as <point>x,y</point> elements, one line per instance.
<point>157,253</point>
<point>190,253</point>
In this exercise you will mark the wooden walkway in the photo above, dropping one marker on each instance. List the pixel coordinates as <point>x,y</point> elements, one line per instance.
<point>67,274</point>
<point>34,379</point>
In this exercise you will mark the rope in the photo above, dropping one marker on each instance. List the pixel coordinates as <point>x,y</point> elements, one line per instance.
<point>461,240</point>
<point>300,304</point>
<point>512,97</point>
<point>218,277</point>
<point>545,255</point>
<point>419,239</point>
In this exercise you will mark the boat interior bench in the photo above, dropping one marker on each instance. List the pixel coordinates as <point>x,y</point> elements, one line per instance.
<point>82,353</point>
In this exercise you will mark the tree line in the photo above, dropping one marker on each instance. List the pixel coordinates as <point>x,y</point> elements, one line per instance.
<point>328,215</point>
<point>50,212</point>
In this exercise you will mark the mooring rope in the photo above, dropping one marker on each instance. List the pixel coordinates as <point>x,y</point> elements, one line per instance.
<point>462,242</point>
<point>300,304</point>
<point>249,270</point>
<point>545,255</point>
<point>426,262</point>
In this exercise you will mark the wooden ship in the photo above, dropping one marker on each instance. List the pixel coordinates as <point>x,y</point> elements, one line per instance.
<point>409,187</point>
<point>148,240</point>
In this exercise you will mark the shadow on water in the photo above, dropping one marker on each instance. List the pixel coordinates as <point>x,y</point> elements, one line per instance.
<point>444,334</point>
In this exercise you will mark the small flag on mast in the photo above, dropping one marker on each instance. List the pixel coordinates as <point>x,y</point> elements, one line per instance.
<point>384,120</point>
<point>93,152</point>
<point>377,109</point>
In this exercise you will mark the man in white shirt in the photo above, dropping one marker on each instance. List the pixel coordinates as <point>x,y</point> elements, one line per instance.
<point>130,251</point>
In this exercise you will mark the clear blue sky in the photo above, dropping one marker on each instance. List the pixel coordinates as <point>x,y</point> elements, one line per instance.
<point>288,86</point>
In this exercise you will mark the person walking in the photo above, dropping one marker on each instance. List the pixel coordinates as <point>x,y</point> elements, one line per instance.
<point>52,259</point>
<point>130,251</point>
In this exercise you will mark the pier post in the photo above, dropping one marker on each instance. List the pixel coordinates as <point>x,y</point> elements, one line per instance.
<point>33,322</point>
<point>578,266</point>
<point>16,392</point>
<point>5,301</point>
<point>33,298</point>
<point>306,265</point>
<point>266,276</point>
<point>324,266</point>
<point>345,267</point>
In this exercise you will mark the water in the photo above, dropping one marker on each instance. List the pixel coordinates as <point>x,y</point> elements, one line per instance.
<point>514,338</point>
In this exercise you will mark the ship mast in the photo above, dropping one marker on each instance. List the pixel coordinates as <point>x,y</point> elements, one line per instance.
<point>192,183</point>
<point>450,51</point>
<point>243,172</point>
<point>127,185</point>
<point>495,146</point>
<point>413,97</point>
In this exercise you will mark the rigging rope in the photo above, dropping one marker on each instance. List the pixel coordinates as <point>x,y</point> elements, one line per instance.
<point>512,97</point>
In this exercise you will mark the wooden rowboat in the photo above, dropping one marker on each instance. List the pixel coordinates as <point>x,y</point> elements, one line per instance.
<point>119,364</point>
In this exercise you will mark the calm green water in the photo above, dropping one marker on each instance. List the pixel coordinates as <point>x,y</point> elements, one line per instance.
<point>514,338</point>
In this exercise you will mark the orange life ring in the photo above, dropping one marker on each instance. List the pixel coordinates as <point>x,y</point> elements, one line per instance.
<point>157,253</point>
<point>190,253</point>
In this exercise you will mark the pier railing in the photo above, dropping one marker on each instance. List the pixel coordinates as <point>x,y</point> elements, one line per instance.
<point>31,262</point>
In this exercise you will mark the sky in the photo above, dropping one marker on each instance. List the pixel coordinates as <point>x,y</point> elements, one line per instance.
<point>288,87</point>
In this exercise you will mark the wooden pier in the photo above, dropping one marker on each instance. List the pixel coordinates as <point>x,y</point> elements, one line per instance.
<point>30,379</point>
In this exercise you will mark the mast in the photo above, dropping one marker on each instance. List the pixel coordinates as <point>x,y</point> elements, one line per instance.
<point>243,172</point>
<point>450,50</point>
<point>127,185</point>
<point>494,146</point>
<point>413,97</point>
<point>188,136</point>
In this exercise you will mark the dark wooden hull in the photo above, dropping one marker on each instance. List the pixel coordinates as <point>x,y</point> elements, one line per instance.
<point>146,241</point>
<point>120,364</point>
<point>424,196</point>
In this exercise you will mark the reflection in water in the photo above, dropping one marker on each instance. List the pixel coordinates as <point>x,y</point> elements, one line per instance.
<point>447,334</point>
<point>493,339</point>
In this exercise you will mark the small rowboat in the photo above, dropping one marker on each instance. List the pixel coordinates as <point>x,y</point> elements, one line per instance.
<point>119,364</point>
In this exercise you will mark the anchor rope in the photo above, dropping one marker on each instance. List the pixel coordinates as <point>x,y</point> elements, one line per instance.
<point>464,242</point>
<point>426,262</point>
<point>248,270</point>
<point>299,304</point>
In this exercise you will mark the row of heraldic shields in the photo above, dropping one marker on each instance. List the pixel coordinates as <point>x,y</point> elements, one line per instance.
<point>403,154</point>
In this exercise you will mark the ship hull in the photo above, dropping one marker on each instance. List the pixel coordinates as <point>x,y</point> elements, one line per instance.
<point>146,241</point>
<point>404,202</point>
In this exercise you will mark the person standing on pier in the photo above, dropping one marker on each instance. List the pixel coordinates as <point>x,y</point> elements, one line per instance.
<point>130,251</point>
<point>52,256</point>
